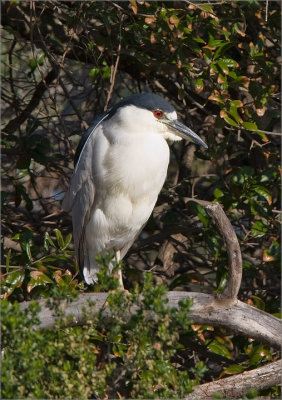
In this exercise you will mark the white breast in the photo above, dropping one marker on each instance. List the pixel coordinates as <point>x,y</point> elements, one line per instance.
<point>129,177</point>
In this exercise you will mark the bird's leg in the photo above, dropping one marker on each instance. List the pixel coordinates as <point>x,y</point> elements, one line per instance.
<point>119,270</point>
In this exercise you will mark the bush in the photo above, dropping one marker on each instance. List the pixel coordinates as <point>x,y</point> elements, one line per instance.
<point>112,354</point>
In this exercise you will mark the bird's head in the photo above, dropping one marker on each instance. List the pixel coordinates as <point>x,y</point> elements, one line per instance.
<point>150,113</point>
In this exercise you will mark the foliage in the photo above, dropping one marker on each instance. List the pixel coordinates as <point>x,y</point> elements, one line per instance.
<point>119,355</point>
<point>43,267</point>
<point>218,64</point>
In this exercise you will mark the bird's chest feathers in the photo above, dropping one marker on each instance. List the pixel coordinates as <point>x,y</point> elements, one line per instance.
<point>137,166</point>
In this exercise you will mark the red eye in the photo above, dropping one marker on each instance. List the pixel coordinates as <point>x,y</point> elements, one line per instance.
<point>158,113</point>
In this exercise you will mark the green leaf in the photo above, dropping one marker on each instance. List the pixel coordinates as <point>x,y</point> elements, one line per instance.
<point>48,241</point>
<point>219,348</point>
<point>59,238</point>
<point>223,66</point>
<point>263,136</point>
<point>199,85</point>
<point>233,369</point>
<point>67,241</point>
<point>32,64</point>
<point>236,104</point>
<point>41,58</point>
<point>13,280</point>
<point>223,47</point>
<point>94,72</point>
<point>218,193</point>
<point>202,215</point>
<point>259,303</point>
<point>263,192</point>
<point>56,257</point>
<point>214,42</point>
<point>207,8</point>
<point>228,62</point>
<point>243,175</point>
<point>233,110</point>
<point>230,121</point>
<point>259,228</point>
<point>259,353</point>
<point>28,252</point>
<point>250,126</point>
<point>222,283</point>
<point>38,279</point>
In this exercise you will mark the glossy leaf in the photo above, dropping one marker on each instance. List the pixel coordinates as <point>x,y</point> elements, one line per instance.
<point>232,370</point>
<point>259,228</point>
<point>250,126</point>
<point>199,85</point>
<point>59,238</point>
<point>219,348</point>
<point>13,280</point>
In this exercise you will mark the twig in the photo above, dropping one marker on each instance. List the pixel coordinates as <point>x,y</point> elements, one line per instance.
<point>212,15</point>
<point>269,132</point>
<point>266,11</point>
<point>15,123</point>
<point>114,70</point>
<point>113,78</point>
<point>84,123</point>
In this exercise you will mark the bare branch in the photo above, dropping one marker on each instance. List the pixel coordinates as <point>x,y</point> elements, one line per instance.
<point>113,78</point>
<point>238,385</point>
<point>14,124</point>
<point>206,309</point>
<point>233,249</point>
<point>226,230</point>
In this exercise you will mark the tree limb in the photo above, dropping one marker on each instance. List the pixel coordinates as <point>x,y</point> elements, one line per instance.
<point>206,309</point>
<point>238,385</point>
<point>233,249</point>
<point>226,230</point>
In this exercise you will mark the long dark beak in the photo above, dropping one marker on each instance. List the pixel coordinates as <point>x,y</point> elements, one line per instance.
<point>183,131</point>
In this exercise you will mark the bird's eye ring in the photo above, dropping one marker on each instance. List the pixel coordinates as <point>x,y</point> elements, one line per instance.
<point>158,113</point>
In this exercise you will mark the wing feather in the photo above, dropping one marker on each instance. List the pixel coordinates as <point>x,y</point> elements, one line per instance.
<point>81,192</point>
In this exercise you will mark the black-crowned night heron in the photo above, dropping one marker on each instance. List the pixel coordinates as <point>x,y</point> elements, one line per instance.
<point>120,167</point>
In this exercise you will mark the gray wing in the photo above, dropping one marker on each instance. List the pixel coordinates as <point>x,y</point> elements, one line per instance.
<point>81,193</point>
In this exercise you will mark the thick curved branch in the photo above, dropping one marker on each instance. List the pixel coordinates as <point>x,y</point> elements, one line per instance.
<point>233,249</point>
<point>238,385</point>
<point>206,309</point>
<point>226,230</point>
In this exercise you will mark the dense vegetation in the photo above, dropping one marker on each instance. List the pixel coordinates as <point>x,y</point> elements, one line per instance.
<point>62,64</point>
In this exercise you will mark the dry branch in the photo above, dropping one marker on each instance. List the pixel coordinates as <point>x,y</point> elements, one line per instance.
<point>236,386</point>
<point>226,230</point>
<point>206,309</point>
<point>233,249</point>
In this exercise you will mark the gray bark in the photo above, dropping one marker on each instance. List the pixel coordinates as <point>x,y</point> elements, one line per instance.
<point>238,385</point>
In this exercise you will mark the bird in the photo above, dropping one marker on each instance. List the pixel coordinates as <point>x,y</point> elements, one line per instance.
<point>120,167</point>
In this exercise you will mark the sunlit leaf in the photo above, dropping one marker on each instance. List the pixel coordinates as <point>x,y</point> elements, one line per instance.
<point>59,238</point>
<point>199,85</point>
<point>13,280</point>
<point>263,192</point>
<point>232,370</point>
<point>219,348</point>
<point>259,228</point>
<point>250,126</point>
